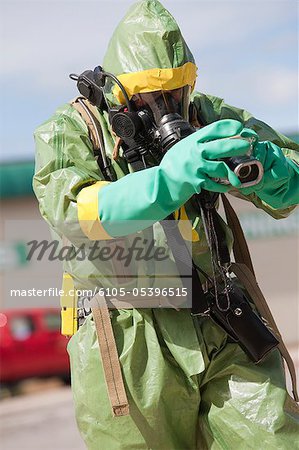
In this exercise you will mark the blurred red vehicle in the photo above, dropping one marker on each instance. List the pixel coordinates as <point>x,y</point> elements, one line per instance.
<point>31,345</point>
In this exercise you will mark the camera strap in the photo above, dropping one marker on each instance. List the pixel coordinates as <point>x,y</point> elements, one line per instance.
<point>240,247</point>
<point>185,266</point>
<point>219,253</point>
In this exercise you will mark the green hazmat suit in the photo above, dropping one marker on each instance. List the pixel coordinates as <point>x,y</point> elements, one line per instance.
<point>189,386</point>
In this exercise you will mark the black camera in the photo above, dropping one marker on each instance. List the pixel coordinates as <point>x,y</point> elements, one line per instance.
<point>139,127</point>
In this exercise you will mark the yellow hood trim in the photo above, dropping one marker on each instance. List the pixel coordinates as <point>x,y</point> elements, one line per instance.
<point>156,80</point>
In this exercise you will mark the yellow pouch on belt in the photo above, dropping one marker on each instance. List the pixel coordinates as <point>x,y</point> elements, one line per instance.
<point>69,310</point>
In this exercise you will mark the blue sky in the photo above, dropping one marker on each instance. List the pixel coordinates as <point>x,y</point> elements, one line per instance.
<point>246,52</point>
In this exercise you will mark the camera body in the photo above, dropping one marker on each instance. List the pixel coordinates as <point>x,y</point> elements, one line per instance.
<point>138,127</point>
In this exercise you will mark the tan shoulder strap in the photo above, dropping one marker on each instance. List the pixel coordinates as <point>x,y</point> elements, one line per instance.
<point>107,345</point>
<point>110,360</point>
<point>88,113</point>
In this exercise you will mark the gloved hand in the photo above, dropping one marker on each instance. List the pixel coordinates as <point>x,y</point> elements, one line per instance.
<point>143,198</point>
<point>279,187</point>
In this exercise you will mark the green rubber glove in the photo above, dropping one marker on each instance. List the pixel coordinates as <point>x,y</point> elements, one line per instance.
<point>279,187</point>
<point>142,198</point>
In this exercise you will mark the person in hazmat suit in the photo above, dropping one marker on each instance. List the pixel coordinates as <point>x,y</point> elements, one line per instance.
<point>188,385</point>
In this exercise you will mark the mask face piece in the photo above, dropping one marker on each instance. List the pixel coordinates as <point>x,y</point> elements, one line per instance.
<point>152,122</point>
<point>161,103</point>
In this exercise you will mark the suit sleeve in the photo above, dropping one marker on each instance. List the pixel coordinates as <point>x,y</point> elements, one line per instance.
<point>66,171</point>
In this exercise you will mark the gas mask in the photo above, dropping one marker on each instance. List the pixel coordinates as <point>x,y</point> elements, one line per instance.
<point>158,120</point>
<point>149,124</point>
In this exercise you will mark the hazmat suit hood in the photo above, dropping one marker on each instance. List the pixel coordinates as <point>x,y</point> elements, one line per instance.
<point>147,51</point>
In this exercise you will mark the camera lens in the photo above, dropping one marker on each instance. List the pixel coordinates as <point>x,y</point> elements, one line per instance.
<point>244,172</point>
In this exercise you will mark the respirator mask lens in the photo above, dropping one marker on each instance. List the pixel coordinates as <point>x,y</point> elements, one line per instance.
<point>160,103</point>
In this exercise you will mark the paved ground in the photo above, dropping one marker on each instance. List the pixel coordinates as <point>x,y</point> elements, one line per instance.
<point>39,421</point>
